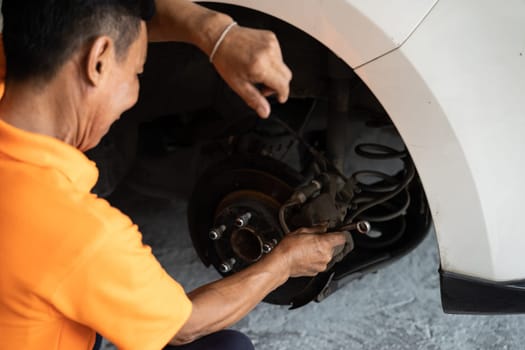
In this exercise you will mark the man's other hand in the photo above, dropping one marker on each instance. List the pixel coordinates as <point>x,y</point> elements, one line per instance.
<point>248,58</point>
<point>307,251</point>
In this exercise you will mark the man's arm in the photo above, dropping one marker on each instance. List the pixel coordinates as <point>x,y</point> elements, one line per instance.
<point>244,58</point>
<point>224,302</point>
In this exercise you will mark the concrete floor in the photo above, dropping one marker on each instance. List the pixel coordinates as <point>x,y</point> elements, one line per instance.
<point>396,308</point>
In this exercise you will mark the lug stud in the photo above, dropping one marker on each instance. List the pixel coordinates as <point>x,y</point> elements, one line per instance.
<point>267,248</point>
<point>242,220</point>
<point>227,266</point>
<point>217,232</point>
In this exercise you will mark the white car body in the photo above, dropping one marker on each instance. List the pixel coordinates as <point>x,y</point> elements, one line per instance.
<point>451,75</point>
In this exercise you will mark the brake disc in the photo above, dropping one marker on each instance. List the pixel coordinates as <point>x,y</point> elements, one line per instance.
<point>233,220</point>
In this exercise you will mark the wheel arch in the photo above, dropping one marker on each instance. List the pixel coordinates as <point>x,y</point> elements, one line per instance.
<point>370,47</point>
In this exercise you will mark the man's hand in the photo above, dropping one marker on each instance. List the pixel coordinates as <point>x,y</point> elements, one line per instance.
<point>248,58</point>
<point>306,252</point>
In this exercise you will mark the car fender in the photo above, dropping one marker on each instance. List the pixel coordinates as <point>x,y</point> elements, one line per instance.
<point>455,90</point>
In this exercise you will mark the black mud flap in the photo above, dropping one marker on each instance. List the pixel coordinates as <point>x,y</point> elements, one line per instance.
<point>467,295</point>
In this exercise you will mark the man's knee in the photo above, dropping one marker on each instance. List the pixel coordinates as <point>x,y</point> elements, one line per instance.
<point>234,340</point>
<point>223,340</point>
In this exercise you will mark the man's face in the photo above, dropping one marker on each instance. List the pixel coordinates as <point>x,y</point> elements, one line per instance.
<point>120,92</point>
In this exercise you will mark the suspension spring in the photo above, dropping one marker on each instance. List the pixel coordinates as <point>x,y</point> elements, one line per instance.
<point>383,198</point>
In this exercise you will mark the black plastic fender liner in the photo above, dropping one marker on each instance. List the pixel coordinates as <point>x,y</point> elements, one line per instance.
<point>468,295</point>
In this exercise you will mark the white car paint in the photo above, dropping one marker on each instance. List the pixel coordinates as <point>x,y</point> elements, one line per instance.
<point>456,91</point>
<point>451,75</point>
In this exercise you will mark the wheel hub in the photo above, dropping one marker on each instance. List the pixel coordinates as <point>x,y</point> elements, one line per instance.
<point>249,228</point>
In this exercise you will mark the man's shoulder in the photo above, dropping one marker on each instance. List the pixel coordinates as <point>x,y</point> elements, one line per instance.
<point>47,227</point>
<point>40,199</point>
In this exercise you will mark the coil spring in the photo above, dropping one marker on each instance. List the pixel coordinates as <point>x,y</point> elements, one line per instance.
<point>385,200</point>
<point>383,194</point>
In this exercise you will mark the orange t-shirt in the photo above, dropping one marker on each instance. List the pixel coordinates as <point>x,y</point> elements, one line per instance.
<point>70,264</point>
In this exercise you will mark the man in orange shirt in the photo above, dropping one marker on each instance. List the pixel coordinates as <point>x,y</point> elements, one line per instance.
<point>71,265</point>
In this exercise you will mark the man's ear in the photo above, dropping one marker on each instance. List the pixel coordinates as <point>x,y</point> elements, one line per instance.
<point>99,59</point>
